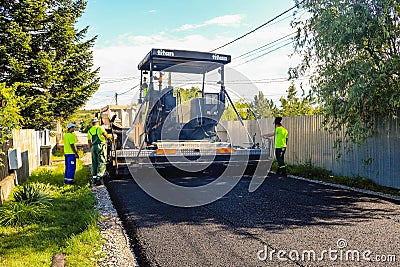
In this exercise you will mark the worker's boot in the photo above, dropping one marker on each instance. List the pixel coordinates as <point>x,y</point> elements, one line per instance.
<point>283,172</point>
<point>98,180</point>
<point>95,180</point>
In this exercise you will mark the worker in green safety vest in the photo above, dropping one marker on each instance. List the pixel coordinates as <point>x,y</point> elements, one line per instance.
<point>70,154</point>
<point>97,137</point>
<point>281,137</point>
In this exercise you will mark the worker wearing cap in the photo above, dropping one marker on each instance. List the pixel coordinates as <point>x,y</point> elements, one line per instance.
<point>70,154</point>
<point>281,137</point>
<point>97,137</point>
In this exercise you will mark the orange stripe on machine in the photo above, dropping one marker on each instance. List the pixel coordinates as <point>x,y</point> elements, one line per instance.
<point>165,151</point>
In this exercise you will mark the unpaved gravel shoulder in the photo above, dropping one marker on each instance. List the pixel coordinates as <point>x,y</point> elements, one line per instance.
<point>117,247</point>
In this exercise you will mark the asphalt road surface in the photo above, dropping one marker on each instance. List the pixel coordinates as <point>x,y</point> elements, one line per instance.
<point>285,222</point>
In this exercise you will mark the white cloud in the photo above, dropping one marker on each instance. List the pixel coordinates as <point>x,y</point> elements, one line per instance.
<point>151,11</point>
<point>226,21</point>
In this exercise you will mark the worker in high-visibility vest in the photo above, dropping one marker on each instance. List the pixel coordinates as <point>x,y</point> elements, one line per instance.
<point>281,138</point>
<point>97,137</point>
<point>70,154</point>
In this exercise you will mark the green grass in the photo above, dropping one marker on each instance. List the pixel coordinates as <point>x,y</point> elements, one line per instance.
<point>58,154</point>
<point>69,225</point>
<point>320,174</point>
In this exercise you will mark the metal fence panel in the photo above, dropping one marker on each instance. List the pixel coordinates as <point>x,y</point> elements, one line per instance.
<point>377,159</point>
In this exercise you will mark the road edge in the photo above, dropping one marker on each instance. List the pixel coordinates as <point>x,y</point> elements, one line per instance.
<point>391,198</point>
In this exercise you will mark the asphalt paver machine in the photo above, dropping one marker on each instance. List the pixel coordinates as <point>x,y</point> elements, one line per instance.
<point>172,133</point>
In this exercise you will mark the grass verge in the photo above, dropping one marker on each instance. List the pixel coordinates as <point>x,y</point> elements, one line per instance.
<point>69,224</point>
<point>315,173</point>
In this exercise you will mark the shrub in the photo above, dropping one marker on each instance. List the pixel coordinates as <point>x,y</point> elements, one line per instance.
<point>14,213</point>
<point>33,192</point>
<point>30,204</point>
<point>58,153</point>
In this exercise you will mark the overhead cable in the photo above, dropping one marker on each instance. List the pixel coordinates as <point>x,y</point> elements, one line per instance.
<point>266,45</point>
<point>266,53</point>
<point>259,27</point>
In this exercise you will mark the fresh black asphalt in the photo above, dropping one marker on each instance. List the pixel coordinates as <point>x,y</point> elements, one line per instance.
<point>285,218</point>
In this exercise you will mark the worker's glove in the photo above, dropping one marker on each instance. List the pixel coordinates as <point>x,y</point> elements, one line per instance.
<point>283,151</point>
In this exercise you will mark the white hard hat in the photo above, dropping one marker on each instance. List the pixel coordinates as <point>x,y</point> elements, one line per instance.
<point>70,125</point>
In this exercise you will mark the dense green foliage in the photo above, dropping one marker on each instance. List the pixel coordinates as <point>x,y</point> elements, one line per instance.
<point>242,107</point>
<point>9,113</point>
<point>67,224</point>
<point>262,107</point>
<point>19,213</point>
<point>352,49</point>
<point>47,60</point>
<point>292,105</point>
<point>183,95</point>
<point>82,118</point>
<point>33,192</point>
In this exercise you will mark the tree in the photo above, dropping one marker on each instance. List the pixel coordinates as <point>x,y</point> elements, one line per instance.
<point>242,107</point>
<point>353,49</point>
<point>184,95</point>
<point>83,119</point>
<point>9,113</point>
<point>262,107</point>
<point>295,106</point>
<point>42,52</point>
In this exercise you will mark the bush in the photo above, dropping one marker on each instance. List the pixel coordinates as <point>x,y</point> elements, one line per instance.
<point>33,192</point>
<point>14,213</point>
<point>58,153</point>
<point>30,204</point>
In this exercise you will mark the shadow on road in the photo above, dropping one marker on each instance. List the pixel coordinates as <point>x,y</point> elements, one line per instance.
<point>277,205</point>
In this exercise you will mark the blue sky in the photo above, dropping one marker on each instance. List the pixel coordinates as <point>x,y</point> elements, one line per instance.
<point>128,29</point>
<point>110,19</point>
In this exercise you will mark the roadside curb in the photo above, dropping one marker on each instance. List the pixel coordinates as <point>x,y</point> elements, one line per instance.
<point>391,198</point>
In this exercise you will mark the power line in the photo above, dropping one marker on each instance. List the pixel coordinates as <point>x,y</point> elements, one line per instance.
<point>128,90</point>
<point>245,82</point>
<point>266,45</point>
<point>264,54</point>
<point>259,27</point>
<point>117,80</point>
